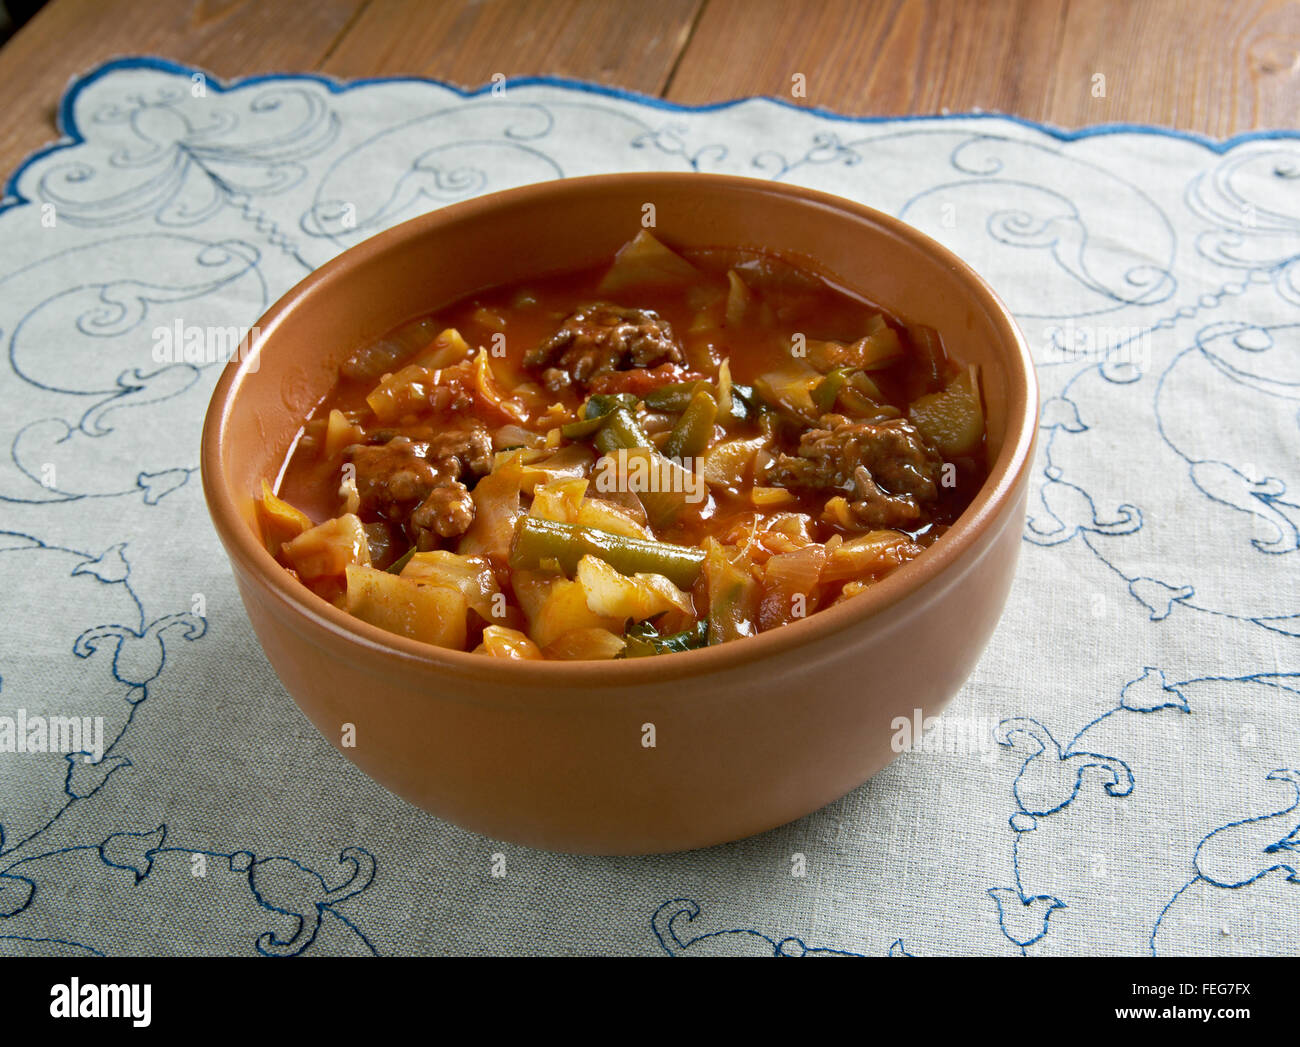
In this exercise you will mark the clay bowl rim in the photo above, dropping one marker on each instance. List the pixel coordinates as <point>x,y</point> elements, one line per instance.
<point>947,557</point>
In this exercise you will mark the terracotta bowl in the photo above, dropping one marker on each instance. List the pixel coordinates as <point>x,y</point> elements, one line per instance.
<point>748,735</point>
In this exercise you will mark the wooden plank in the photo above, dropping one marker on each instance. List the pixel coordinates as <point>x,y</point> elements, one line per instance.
<point>628,43</point>
<point>875,58</point>
<point>1216,68</point>
<point>68,37</point>
<point>1213,66</point>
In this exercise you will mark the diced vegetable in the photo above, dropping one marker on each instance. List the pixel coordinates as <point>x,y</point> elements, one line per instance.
<point>280,521</point>
<point>406,606</point>
<point>784,532</point>
<point>878,349</point>
<point>745,405</point>
<point>490,393</point>
<point>860,396</point>
<point>349,493</point>
<point>731,462</point>
<point>645,263</point>
<point>929,350</point>
<point>509,437</point>
<point>471,576</point>
<point>639,596</point>
<point>741,301</point>
<point>558,499</point>
<point>401,393</point>
<point>531,589</point>
<point>564,500</point>
<point>724,389</point>
<point>538,541</point>
<point>340,431</point>
<point>790,585</point>
<point>952,420</point>
<point>563,609</point>
<point>496,510</point>
<point>870,554</point>
<point>602,515</point>
<point>837,512</point>
<point>733,593</point>
<point>447,349</point>
<point>589,644</point>
<point>771,497</point>
<point>573,461</point>
<point>790,387</point>
<point>382,543</point>
<point>326,550</point>
<point>852,589</point>
<point>672,397</point>
<point>499,641</point>
<point>665,488</point>
<point>582,428</point>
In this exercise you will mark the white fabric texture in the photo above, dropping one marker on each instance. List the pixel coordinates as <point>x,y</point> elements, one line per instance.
<point>1139,790</point>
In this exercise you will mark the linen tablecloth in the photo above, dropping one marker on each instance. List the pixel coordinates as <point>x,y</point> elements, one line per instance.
<point>1121,774</point>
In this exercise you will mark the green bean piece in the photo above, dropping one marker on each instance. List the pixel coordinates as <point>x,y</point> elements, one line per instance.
<point>866,385</point>
<point>594,412</point>
<point>672,397</point>
<point>745,405</point>
<point>825,392</point>
<point>620,431</point>
<point>861,396</point>
<point>598,405</point>
<point>537,541</point>
<point>691,435</point>
<point>582,429</point>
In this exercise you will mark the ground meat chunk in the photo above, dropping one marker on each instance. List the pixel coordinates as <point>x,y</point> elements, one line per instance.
<point>885,469</point>
<point>393,477</point>
<point>873,508</point>
<point>419,484</point>
<point>447,512</point>
<point>470,449</point>
<point>601,338</point>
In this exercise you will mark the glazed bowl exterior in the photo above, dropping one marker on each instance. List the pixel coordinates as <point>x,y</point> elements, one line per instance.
<point>651,754</point>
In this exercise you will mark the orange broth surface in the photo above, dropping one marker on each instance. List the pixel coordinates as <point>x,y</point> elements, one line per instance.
<point>805,522</point>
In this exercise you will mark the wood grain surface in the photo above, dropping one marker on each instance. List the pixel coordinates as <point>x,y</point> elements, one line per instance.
<point>1212,66</point>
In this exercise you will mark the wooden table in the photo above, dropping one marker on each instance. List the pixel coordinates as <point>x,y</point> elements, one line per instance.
<point>1213,66</point>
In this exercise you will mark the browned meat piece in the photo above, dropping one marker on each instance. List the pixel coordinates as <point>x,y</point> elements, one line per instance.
<point>554,379</point>
<point>602,338</point>
<point>393,477</point>
<point>873,508</point>
<point>418,484</point>
<point>470,449</point>
<point>885,468</point>
<point>446,513</point>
